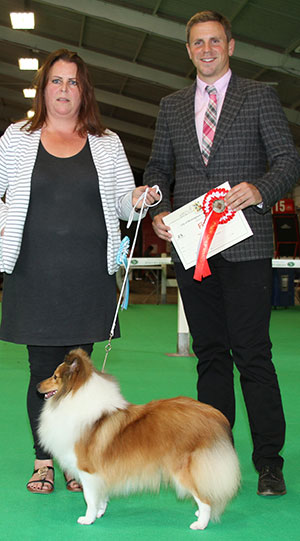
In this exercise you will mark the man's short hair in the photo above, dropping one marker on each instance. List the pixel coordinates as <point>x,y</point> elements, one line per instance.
<point>204,17</point>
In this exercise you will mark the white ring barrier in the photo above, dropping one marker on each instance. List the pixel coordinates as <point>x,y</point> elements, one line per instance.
<point>183,335</point>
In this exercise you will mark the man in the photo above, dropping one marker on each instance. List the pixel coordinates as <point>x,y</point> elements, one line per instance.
<point>247,143</point>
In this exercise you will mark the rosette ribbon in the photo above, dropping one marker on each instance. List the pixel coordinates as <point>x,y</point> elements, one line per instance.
<point>122,260</point>
<point>216,212</point>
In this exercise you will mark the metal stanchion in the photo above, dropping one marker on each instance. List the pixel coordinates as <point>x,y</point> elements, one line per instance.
<point>183,334</point>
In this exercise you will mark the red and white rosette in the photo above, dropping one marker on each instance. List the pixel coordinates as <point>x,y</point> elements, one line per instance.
<point>216,212</point>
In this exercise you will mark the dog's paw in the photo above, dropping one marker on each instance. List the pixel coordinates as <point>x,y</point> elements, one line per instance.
<point>198,525</point>
<point>85,520</point>
<point>102,510</point>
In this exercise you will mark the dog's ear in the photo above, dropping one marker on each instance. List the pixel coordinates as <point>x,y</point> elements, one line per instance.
<point>74,366</point>
<point>73,363</point>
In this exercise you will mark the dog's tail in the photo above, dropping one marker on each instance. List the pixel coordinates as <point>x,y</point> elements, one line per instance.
<point>219,476</point>
<point>213,476</point>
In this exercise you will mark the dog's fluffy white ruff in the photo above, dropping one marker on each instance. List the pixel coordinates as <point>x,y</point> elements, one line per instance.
<point>63,423</point>
<point>111,446</point>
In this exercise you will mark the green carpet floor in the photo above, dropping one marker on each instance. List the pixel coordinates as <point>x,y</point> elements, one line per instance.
<point>145,372</point>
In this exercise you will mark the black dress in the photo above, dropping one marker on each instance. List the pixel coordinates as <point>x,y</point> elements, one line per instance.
<point>60,292</point>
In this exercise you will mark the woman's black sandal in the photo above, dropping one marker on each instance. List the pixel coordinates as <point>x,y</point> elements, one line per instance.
<point>42,473</point>
<point>69,485</point>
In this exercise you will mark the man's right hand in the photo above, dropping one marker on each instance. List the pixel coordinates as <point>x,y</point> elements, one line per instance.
<point>160,228</point>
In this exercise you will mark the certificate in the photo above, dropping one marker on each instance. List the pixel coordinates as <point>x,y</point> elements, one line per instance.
<point>186,225</point>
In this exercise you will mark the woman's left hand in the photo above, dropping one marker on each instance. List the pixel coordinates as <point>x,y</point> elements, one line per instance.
<point>151,197</point>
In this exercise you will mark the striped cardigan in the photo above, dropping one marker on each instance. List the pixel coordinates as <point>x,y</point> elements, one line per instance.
<point>18,152</point>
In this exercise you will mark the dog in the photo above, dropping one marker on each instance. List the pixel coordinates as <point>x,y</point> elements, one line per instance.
<point>114,447</point>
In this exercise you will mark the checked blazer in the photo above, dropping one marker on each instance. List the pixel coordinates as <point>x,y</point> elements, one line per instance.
<point>252,143</point>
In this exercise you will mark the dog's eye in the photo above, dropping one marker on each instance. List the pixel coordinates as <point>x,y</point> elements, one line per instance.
<point>55,377</point>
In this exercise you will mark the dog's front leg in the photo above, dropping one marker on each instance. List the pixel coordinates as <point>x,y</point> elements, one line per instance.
<point>92,491</point>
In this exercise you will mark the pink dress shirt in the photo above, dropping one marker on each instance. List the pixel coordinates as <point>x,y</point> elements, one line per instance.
<point>201,101</point>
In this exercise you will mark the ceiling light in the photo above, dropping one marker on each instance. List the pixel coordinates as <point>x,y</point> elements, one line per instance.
<point>22,21</point>
<point>28,63</point>
<point>30,113</point>
<point>29,92</point>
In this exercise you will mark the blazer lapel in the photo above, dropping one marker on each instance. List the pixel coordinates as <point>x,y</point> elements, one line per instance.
<point>231,106</point>
<point>186,114</point>
<point>102,161</point>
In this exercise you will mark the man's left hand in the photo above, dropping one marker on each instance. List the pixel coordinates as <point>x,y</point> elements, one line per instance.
<point>243,195</point>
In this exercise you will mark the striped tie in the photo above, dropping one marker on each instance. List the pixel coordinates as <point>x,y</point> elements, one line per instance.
<point>209,123</point>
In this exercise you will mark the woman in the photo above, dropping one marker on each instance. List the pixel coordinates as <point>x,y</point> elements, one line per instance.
<point>66,182</point>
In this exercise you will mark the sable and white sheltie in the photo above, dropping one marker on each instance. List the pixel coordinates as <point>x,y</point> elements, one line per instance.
<point>114,447</point>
